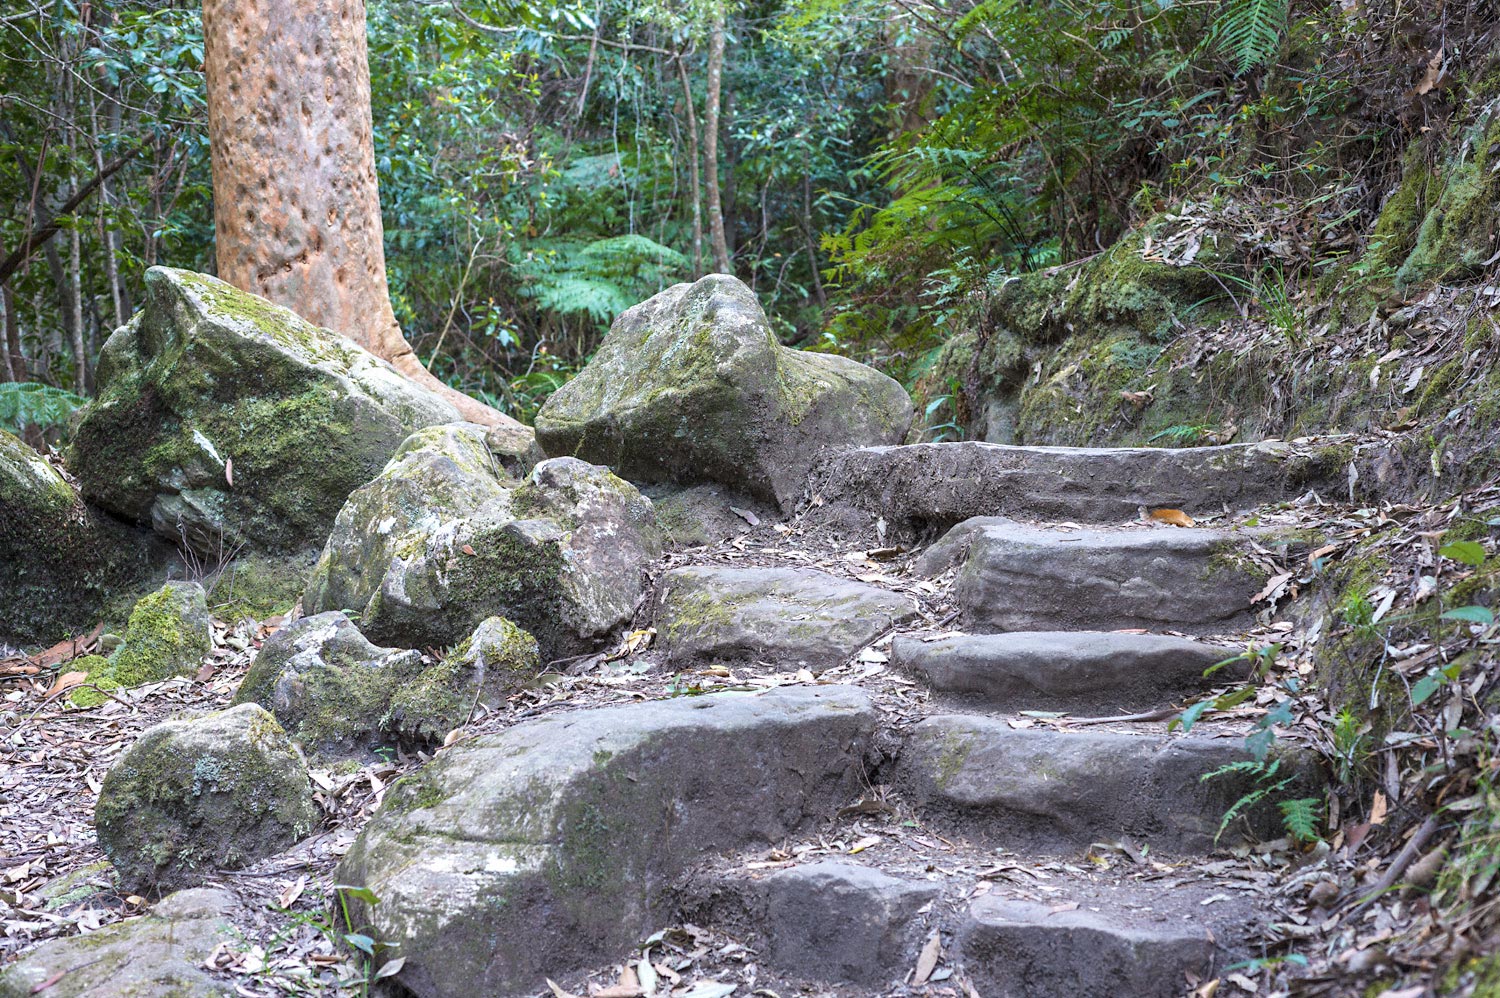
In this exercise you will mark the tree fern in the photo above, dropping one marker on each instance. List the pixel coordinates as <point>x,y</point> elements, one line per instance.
<point>27,403</point>
<point>599,279</point>
<point>1249,32</point>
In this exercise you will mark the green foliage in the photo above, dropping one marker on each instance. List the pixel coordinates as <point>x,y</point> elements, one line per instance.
<point>1248,32</point>
<point>600,279</point>
<point>24,403</point>
<point>1300,817</point>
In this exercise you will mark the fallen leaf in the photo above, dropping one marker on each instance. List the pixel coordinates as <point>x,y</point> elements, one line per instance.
<point>66,681</point>
<point>466,549</point>
<point>865,843</point>
<point>293,891</point>
<point>1058,909</point>
<point>1378,808</point>
<point>746,515</point>
<point>927,961</point>
<point>1273,587</point>
<point>558,992</point>
<point>1175,517</point>
<point>229,472</point>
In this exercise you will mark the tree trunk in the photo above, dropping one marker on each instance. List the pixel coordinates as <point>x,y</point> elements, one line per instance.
<point>693,178</point>
<point>711,141</point>
<point>296,203</point>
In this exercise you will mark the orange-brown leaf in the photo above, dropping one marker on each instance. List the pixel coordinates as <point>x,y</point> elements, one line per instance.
<point>1175,517</point>
<point>66,681</point>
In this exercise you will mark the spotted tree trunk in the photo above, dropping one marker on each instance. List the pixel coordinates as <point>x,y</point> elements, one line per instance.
<point>296,202</point>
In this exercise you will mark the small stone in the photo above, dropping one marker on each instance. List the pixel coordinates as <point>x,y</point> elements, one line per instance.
<point>193,796</point>
<point>497,660</point>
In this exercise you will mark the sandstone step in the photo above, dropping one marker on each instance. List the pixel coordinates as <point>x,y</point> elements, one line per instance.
<point>1044,789</point>
<point>922,489</point>
<point>1015,577</point>
<point>544,849</point>
<point>790,617</point>
<point>834,920</point>
<point>1013,948</point>
<point>1062,670</point>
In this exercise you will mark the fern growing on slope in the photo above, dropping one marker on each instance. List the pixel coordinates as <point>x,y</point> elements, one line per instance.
<point>27,403</point>
<point>1248,32</point>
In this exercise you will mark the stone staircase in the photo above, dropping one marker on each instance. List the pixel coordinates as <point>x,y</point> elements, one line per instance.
<point>591,829</point>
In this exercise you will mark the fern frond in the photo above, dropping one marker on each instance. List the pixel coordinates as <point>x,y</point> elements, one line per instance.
<point>1249,32</point>
<point>27,403</point>
<point>1301,818</point>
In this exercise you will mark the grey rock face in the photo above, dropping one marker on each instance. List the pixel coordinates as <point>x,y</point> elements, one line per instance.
<point>161,954</point>
<point>189,797</point>
<point>691,386</point>
<point>842,922</point>
<point>1013,577</point>
<point>443,539</point>
<point>791,617</point>
<point>1043,789</point>
<point>1062,670</point>
<point>542,849</point>
<point>328,686</point>
<point>922,489</point>
<point>220,415</point>
<point>1013,948</point>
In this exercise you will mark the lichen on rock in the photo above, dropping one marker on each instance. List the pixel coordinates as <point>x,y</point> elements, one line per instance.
<point>210,793</point>
<point>222,419</point>
<point>692,387</point>
<point>443,539</point>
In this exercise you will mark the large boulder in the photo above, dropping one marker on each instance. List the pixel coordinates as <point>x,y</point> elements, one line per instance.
<point>164,953</point>
<point>548,847</point>
<point>60,561</point>
<point>692,386</point>
<point>194,796</point>
<point>443,539</point>
<point>222,419</point>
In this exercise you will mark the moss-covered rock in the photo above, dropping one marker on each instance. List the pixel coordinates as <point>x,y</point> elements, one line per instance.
<point>328,686</point>
<point>565,829</point>
<point>495,661</point>
<point>193,796</point>
<point>692,386</point>
<point>443,539</point>
<point>222,419</point>
<point>60,562</point>
<point>1459,234</point>
<point>162,955</point>
<point>169,634</point>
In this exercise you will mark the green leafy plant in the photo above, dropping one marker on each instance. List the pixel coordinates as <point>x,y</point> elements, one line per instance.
<point>1248,32</point>
<point>1182,435</point>
<point>27,403</point>
<point>1300,816</point>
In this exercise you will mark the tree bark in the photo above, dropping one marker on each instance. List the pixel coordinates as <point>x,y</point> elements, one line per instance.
<point>711,141</point>
<point>296,201</point>
<point>694,179</point>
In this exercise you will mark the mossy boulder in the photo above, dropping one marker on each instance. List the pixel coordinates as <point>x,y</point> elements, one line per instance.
<point>548,848</point>
<point>327,685</point>
<point>169,634</point>
<point>60,561</point>
<point>494,662</point>
<point>692,387</point>
<point>224,420</point>
<point>194,796</point>
<point>1459,235</point>
<point>443,538</point>
<point>162,955</point>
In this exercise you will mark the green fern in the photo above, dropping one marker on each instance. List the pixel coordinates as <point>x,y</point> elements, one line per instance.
<point>1301,818</point>
<point>27,403</point>
<point>1267,784</point>
<point>1249,32</point>
<point>600,279</point>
